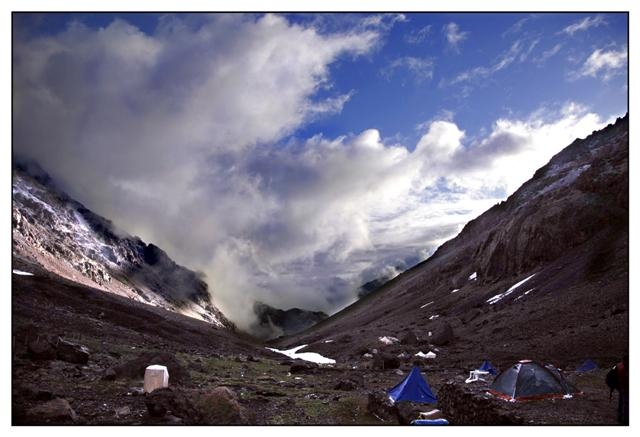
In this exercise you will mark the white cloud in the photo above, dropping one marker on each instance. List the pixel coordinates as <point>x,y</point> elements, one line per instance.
<point>420,68</point>
<point>417,36</point>
<point>178,137</point>
<point>584,24</point>
<point>548,54</point>
<point>503,61</point>
<point>453,35</point>
<point>605,64</point>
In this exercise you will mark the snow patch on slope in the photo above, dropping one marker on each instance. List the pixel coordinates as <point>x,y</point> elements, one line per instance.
<point>306,356</point>
<point>498,297</point>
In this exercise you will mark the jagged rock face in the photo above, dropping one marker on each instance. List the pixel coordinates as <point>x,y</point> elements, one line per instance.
<point>273,322</point>
<point>567,202</point>
<point>68,239</point>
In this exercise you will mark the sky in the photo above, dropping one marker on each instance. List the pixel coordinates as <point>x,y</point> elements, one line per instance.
<point>294,157</point>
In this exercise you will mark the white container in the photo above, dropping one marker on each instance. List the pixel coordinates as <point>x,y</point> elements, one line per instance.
<point>155,376</point>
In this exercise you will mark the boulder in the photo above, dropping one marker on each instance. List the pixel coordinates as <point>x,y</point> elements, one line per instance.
<point>54,411</point>
<point>173,401</point>
<point>220,407</point>
<point>197,407</point>
<point>41,349</point>
<point>409,338</point>
<point>383,361</point>
<point>71,352</point>
<point>350,383</point>
<point>442,334</point>
<point>380,406</point>
<point>299,366</point>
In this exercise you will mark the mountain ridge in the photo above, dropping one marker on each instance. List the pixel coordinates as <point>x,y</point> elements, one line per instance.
<point>566,229</point>
<point>61,234</point>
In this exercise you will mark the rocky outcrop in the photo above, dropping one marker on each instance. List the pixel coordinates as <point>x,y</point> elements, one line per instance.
<point>72,352</point>
<point>56,411</point>
<point>219,406</point>
<point>68,239</point>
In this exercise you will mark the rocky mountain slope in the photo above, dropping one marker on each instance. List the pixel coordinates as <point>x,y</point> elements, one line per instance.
<point>68,239</point>
<point>543,275</point>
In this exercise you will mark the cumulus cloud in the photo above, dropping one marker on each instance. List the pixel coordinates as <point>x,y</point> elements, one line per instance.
<point>183,137</point>
<point>453,35</point>
<point>604,63</point>
<point>584,24</point>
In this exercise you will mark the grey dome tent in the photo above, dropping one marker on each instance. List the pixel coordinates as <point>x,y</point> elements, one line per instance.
<point>528,380</point>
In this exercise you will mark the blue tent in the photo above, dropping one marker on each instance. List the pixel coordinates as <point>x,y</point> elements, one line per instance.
<point>487,367</point>
<point>587,366</point>
<point>413,388</point>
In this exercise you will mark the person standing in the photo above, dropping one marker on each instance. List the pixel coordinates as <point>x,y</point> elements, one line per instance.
<point>622,371</point>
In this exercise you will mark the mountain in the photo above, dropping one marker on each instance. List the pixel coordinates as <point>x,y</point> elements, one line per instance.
<point>66,238</point>
<point>543,275</point>
<point>273,322</point>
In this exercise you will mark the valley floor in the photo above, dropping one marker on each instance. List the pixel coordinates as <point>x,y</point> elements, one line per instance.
<point>269,388</point>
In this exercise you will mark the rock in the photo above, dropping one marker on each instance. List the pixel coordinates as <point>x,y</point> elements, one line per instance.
<point>384,361</point>
<point>109,375</point>
<point>220,407</point>
<point>398,372</point>
<point>442,334</point>
<point>463,406</point>
<point>196,407</point>
<point>303,367</point>
<point>406,412</point>
<point>350,383</point>
<point>122,411</point>
<point>409,338</point>
<point>380,406</point>
<point>164,400</point>
<point>40,350</point>
<point>71,352</point>
<point>54,411</point>
<point>346,385</point>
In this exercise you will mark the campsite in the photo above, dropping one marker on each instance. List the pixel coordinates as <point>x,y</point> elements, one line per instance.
<point>268,388</point>
<point>373,219</point>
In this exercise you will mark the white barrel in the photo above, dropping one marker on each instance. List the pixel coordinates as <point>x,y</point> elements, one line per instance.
<point>155,376</point>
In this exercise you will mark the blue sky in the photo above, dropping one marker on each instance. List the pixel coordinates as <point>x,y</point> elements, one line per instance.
<point>401,99</point>
<point>294,157</point>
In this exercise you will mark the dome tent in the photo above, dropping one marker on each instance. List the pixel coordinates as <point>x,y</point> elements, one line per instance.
<point>528,380</point>
<point>587,366</point>
<point>488,367</point>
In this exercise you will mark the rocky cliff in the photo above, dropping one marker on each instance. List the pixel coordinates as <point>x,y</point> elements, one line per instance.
<point>66,238</point>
